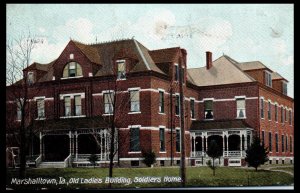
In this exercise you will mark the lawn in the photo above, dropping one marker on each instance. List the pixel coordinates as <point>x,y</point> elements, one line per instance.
<point>197,176</point>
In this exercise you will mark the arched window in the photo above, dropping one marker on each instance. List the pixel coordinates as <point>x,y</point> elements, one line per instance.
<point>72,69</point>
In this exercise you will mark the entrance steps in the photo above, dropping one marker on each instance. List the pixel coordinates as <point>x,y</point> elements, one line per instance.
<point>52,165</point>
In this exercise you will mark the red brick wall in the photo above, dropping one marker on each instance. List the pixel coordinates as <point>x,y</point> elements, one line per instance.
<point>258,75</point>
<point>277,85</point>
<point>273,126</point>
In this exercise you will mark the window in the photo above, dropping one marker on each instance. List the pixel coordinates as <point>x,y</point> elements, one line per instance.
<point>182,75</point>
<point>208,109</point>
<point>108,103</point>
<point>177,140</point>
<point>67,106</point>
<point>72,69</point>
<point>241,108</point>
<point>134,139</point>
<point>134,101</point>
<point>268,79</point>
<point>291,144</point>
<point>286,144</point>
<point>270,141</point>
<point>30,78</point>
<point>162,139</point>
<point>176,73</point>
<point>276,141</point>
<point>177,103</point>
<point>262,108</point>
<point>19,109</point>
<point>282,143</point>
<point>290,117</point>
<point>40,108</point>
<point>269,110</point>
<point>285,115</point>
<point>161,107</point>
<point>71,56</point>
<point>121,69</point>
<point>263,138</point>
<point>284,88</point>
<point>162,162</point>
<point>192,106</point>
<point>276,113</point>
<point>77,105</point>
<point>282,115</point>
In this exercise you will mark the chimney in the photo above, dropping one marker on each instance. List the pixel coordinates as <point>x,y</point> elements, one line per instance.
<point>208,60</point>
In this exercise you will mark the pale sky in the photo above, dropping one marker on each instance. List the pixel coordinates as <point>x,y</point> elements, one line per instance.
<point>245,32</point>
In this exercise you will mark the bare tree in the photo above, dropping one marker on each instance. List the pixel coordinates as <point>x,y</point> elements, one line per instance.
<point>19,53</point>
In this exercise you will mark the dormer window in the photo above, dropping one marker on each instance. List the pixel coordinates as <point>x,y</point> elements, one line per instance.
<point>72,69</point>
<point>121,69</point>
<point>284,88</point>
<point>30,78</point>
<point>268,78</point>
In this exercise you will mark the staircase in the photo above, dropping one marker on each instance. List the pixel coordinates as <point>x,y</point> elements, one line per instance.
<point>52,165</point>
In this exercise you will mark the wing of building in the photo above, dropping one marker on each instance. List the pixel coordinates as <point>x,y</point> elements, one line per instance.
<point>75,102</point>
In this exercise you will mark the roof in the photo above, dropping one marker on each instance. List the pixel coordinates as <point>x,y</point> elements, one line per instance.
<point>219,124</point>
<point>254,65</point>
<point>127,48</point>
<point>90,52</point>
<point>164,55</point>
<point>277,76</point>
<point>224,70</point>
<point>71,123</point>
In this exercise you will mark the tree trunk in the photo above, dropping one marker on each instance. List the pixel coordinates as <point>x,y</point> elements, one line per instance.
<point>214,167</point>
<point>256,169</point>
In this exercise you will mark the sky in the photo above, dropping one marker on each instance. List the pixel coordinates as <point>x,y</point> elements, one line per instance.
<point>245,32</point>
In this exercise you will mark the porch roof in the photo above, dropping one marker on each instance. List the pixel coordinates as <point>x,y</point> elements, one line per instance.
<point>70,123</point>
<point>219,124</point>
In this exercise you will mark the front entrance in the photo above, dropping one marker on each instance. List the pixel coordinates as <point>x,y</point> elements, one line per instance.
<point>56,147</point>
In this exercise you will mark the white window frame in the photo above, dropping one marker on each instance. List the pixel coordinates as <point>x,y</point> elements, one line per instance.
<point>134,103</point>
<point>120,76</point>
<point>268,78</point>
<point>239,109</point>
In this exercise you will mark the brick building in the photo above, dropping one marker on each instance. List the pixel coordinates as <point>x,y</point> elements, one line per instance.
<point>74,99</point>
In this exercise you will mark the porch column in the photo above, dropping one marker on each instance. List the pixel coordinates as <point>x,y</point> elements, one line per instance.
<point>246,140</point>
<point>70,140</point>
<point>101,149</point>
<point>76,145</point>
<point>223,136</point>
<point>41,144</point>
<point>205,135</point>
<point>194,145</point>
<point>241,143</point>
<point>105,144</point>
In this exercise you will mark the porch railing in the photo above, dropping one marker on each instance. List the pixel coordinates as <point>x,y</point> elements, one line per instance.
<point>67,161</point>
<point>234,154</point>
<point>225,154</point>
<point>85,157</point>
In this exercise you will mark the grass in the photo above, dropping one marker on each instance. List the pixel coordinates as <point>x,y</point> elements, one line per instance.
<point>196,176</point>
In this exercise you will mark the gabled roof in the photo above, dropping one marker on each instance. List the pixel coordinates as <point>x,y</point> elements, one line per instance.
<point>89,51</point>
<point>37,66</point>
<point>223,71</point>
<point>254,65</point>
<point>219,124</point>
<point>164,55</point>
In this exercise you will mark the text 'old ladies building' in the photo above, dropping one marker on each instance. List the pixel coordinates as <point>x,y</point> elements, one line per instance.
<point>74,99</point>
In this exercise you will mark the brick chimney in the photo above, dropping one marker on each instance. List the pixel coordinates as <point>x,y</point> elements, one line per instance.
<point>208,60</point>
